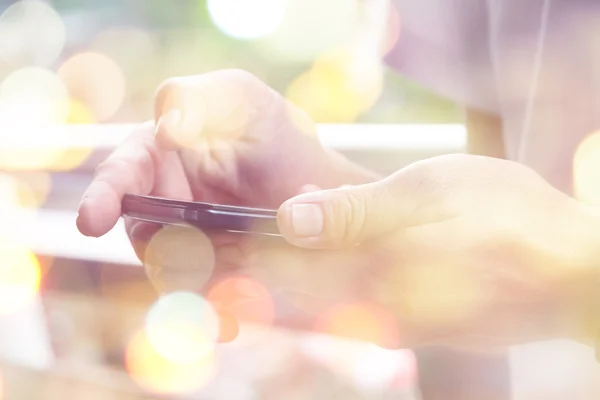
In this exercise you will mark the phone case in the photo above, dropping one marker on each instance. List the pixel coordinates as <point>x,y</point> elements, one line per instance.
<point>204,216</point>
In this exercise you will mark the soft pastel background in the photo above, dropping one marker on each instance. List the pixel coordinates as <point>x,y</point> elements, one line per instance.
<point>75,312</point>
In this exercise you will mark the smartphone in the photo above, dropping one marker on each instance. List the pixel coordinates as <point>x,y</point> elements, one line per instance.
<point>204,216</point>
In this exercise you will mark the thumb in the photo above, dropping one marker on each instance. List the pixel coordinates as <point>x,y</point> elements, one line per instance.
<point>342,217</point>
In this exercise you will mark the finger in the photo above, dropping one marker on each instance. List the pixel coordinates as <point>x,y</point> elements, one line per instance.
<point>337,218</point>
<point>309,189</point>
<point>130,169</point>
<point>220,104</point>
<point>348,215</point>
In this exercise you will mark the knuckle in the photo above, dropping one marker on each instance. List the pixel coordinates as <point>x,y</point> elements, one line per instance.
<point>168,89</point>
<point>349,216</point>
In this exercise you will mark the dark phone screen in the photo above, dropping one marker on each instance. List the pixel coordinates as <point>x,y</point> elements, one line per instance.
<point>201,215</point>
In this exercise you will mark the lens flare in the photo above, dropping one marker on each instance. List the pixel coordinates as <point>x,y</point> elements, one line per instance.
<point>363,322</point>
<point>182,327</point>
<point>96,81</point>
<point>243,19</point>
<point>158,375</point>
<point>31,32</point>
<point>179,259</point>
<point>310,28</point>
<point>245,298</point>
<point>340,87</point>
<point>20,277</point>
<point>586,170</point>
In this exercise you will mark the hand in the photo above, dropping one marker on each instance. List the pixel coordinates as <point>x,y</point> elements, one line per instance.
<point>464,249</point>
<point>222,137</point>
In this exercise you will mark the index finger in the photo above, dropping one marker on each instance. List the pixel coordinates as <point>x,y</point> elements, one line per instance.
<point>129,169</point>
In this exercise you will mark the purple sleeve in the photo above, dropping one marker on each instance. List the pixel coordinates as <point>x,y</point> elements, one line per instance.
<point>444,45</point>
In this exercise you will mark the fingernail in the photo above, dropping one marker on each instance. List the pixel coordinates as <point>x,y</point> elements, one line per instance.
<point>307,220</point>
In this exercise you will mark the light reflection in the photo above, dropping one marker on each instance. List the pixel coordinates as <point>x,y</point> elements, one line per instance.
<point>586,170</point>
<point>310,28</point>
<point>244,19</point>
<point>179,258</point>
<point>363,322</point>
<point>340,86</point>
<point>158,375</point>
<point>182,327</point>
<point>31,32</point>
<point>95,80</point>
<point>245,298</point>
<point>20,277</point>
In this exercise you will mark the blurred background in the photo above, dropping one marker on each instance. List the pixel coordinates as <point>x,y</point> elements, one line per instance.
<point>73,76</point>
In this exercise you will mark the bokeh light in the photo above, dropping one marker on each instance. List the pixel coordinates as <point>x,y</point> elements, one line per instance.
<point>32,97</point>
<point>179,258</point>
<point>27,191</point>
<point>20,276</point>
<point>245,298</point>
<point>31,32</point>
<point>79,113</point>
<point>96,81</point>
<point>18,204</point>
<point>358,321</point>
<point>182,327</point>
<point>244,19</point>
<point>340,86</point>
<point>158,375</point>
<point>586,170</point>
<point>310,28</point>
<point>380,368</point>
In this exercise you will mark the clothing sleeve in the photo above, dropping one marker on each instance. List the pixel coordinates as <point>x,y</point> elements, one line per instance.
<point>444,45</point>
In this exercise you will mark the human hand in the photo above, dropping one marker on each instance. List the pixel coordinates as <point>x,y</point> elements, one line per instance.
<point>222,137</point>
<point>463,250</point>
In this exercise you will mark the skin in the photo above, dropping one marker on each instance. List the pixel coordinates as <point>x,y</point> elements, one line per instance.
<point>460,249</point>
